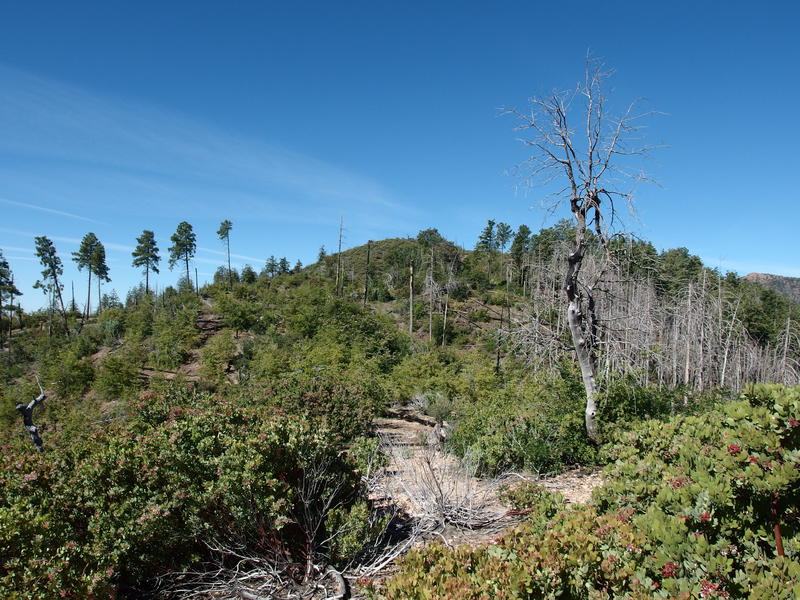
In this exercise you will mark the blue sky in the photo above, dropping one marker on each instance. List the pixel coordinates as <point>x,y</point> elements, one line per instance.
<point>117,117</point>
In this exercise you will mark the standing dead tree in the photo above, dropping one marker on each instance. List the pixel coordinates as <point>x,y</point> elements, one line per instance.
<point>26,410</point>
<point>694,337</point>
<point>591,160</point>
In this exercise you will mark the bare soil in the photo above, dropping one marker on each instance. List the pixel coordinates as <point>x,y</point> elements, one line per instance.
<point>414,459</point>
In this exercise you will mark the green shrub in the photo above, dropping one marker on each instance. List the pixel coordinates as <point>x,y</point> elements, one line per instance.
<point>216,356</point>
<point>174,335</point>
<point>688,510</point>
<point>71,376</point>
<point>119,373</point>
<point>111,325</point>
<point>239,315</point>
<point>121,507</point>
<point>535,424</point>
<point>528,496</point>
<point>139,320</point>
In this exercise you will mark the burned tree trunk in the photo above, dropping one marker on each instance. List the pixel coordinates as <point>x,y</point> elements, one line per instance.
<point>587,160</point>
<point>26,411</point>
<point>582,339</point>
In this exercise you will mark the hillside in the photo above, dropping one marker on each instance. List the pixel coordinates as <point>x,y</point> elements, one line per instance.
<point>282,433</point>
<point>786,286</point>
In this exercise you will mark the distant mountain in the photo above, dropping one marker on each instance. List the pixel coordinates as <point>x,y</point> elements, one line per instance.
<point>787,286</point>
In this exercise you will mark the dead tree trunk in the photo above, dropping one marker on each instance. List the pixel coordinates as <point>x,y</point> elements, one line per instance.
<point>26,411</point>
<point>583,344</point>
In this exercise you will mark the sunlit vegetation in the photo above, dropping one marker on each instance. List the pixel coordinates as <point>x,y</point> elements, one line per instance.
<point>241,416</point>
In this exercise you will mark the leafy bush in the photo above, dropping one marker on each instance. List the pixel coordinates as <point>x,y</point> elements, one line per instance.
<point>535,424</point>
<point>528,496</point>
<point>139,320</point>
<point>215,357</point>
<point>689,510</point>
<point>238,315</point>
<point>120,507</point>
<point>71,376</point>
<point>119,373</point>
<point>174,335</point>
<point>344,407</point>
<point>111,324</point>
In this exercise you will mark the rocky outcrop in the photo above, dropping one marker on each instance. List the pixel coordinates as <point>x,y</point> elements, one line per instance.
<point>786,286</point>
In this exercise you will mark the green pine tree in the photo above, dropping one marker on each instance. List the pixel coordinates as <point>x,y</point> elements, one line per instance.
<point>486,240</point>
<point>146,255</point>
<point>502,235</point>
<point>521,245</point>
<point>53,269</point>
<point>271,266</point>
<point>7,288</point>
<point>224,234</point>
<point>100,268</point>
<point>83,259</point>
<point>184,246</point>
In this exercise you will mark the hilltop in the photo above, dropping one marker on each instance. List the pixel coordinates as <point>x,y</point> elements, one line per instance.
<point>786,286</point>
<point>318,420</point>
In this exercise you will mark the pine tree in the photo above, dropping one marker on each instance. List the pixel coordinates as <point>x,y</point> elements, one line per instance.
<point>298,266</point>
<point>183,246</point>
<point>430,237</point>
<point>502,235</point>
<point>46,253</point>
<point>486,240</point>
<point>248,274</point>
<point>322,254</point>
<point>83,258</point>
<point>521,245</point>
<point>100,268</point>
<point>283,266</point>
<point>146,255</point>
<point>271,266</point>
<point>224,234</point>
<point>7,288</point>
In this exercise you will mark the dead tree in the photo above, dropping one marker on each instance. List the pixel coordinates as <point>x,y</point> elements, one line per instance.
<point>590,161</point>
<point>27,418</point>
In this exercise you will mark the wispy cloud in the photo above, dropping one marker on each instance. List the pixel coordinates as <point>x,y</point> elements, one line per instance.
<point>67,240</point>
<point>110,145</point>
<point>242,256</point>
<point>60,213</point>
<point>20,258</point>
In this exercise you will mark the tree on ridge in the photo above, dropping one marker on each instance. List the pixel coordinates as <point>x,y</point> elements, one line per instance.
<point>50,284</point>
<point>224,234</point>
<point>100,268</point>
<point>83,259</point>
<point>146,255</point>
<point>184,246</point>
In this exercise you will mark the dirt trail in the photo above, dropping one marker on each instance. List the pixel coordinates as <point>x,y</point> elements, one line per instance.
<point>421,478</point>
<point>209,324</point>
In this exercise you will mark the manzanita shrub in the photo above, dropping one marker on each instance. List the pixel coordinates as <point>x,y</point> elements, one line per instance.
<point>113,511</point>
<point>697,507</point>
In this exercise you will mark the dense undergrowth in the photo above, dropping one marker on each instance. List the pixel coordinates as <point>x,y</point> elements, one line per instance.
<point>690,509</point>
<point>108,512</point>
<point>149,463</point>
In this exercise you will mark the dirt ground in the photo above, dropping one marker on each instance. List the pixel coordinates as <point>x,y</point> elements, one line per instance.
<point>420,475</point>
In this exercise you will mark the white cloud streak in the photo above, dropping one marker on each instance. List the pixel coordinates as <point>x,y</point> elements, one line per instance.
<point>66,240</point>
<point>60,213</point>
<point>165,155</point>
<point>242,256</point>
<point>20,258</point>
